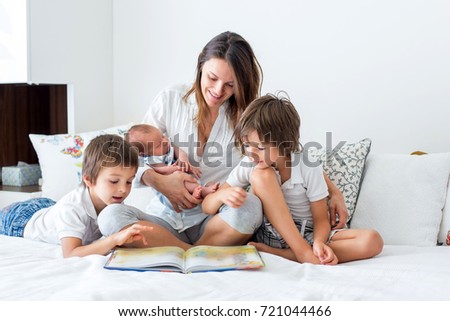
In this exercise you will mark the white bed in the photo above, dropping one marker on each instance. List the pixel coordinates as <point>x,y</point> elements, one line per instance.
<point>401,196</point>
<point>36,271</point>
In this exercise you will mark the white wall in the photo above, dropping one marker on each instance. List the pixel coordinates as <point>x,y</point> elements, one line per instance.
<point>13,41</point>
<point>71,42</point>
<point>378,69</point>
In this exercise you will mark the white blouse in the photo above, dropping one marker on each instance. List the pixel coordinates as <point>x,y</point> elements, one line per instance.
<point>175,118</point>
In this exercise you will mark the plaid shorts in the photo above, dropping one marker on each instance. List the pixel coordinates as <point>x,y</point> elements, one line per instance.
<point>14,217</point>
<point>268,235</point>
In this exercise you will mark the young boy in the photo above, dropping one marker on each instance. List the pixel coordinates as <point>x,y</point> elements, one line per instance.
<point>158,153</point>
<point>293,195</point>
<point>109,166</point>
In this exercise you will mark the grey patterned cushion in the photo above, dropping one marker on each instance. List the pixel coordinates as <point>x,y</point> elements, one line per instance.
<point>344,167</point>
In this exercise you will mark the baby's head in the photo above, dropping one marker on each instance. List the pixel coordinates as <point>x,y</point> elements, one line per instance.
<point>108,151</point>
<point>149,140</point>
<point>275,120</point>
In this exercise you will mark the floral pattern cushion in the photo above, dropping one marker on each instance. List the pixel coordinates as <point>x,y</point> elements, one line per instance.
<point>60,158</point>
<point>345,168</point>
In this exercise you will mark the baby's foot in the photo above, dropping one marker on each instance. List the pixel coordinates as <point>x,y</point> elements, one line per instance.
<point>197,193</point>
<point>209,188</point>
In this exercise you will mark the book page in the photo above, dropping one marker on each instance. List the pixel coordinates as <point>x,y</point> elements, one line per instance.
<point>217,258</point>
<point>158,258</point>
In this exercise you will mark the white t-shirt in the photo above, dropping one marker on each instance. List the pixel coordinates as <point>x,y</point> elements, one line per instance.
<point>306,185</point>
<point>175,118</point>
<point>73,215</point>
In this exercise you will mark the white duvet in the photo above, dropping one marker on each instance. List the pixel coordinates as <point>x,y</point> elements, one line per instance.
<point>36,271</point>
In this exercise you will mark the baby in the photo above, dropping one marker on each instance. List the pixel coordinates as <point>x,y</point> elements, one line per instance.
<point>156,151</point>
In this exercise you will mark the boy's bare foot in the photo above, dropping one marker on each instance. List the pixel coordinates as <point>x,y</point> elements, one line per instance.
<point>286,253</point>
<point>262,247</point>
<point>209,188</point>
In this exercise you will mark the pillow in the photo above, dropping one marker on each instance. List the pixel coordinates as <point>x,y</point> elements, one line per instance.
<point>402,197</point>
<point>140,197</point>
<point>444,231</point>
<point>344,167</point>
<point>60,158</point>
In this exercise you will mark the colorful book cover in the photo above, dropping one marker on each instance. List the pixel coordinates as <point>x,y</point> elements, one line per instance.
<point>196,259</point>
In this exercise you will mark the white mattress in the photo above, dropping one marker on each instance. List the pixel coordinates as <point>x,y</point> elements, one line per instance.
<point>36,271</point>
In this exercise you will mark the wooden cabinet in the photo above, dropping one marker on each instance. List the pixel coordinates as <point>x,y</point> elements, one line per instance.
<point>25,109</point>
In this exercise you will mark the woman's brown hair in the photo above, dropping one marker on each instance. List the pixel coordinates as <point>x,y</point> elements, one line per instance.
<point>239,55</point>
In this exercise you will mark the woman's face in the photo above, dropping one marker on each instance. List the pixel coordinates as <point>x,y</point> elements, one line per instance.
<point>217,82</point>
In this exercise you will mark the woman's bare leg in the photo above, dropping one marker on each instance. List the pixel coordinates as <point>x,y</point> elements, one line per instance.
<point>158,236</point>
<point>116,217</point>
<point>233,226</point>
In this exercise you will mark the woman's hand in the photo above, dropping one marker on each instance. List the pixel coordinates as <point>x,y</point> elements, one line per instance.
<point>172,186</point>
<point>337,207</point>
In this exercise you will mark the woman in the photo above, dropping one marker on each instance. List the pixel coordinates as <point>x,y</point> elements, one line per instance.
<point>200,120</point>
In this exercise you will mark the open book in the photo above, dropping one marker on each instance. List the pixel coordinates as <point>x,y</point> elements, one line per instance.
<point>196,259</point>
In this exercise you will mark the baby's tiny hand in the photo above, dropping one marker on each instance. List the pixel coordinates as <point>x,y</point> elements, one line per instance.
<point>196,171</point>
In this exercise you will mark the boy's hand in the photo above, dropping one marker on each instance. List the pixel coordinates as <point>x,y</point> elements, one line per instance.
<point>324,253</point>
<point>233,196</point>
<point>131,234</point>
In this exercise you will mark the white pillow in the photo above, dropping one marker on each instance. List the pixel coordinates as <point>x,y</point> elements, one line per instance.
<point>60,158</point>
<point>402,197</point>
<point>140,197</point>
<point>444,231</point>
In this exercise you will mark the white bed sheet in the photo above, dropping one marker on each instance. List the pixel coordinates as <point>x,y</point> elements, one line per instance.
<point>36,271</point>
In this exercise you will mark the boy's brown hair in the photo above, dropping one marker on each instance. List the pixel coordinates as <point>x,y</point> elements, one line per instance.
<point>108,151</point>
<point>275,120</point>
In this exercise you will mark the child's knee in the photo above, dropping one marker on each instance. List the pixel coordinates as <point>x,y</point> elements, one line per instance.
<point>377,242</point>
<point>114,217</point>
<point>251,205</point>
<point>262,177</point>
<point>252,211</point>
<point>245,219</point>
<point>373,242</point>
